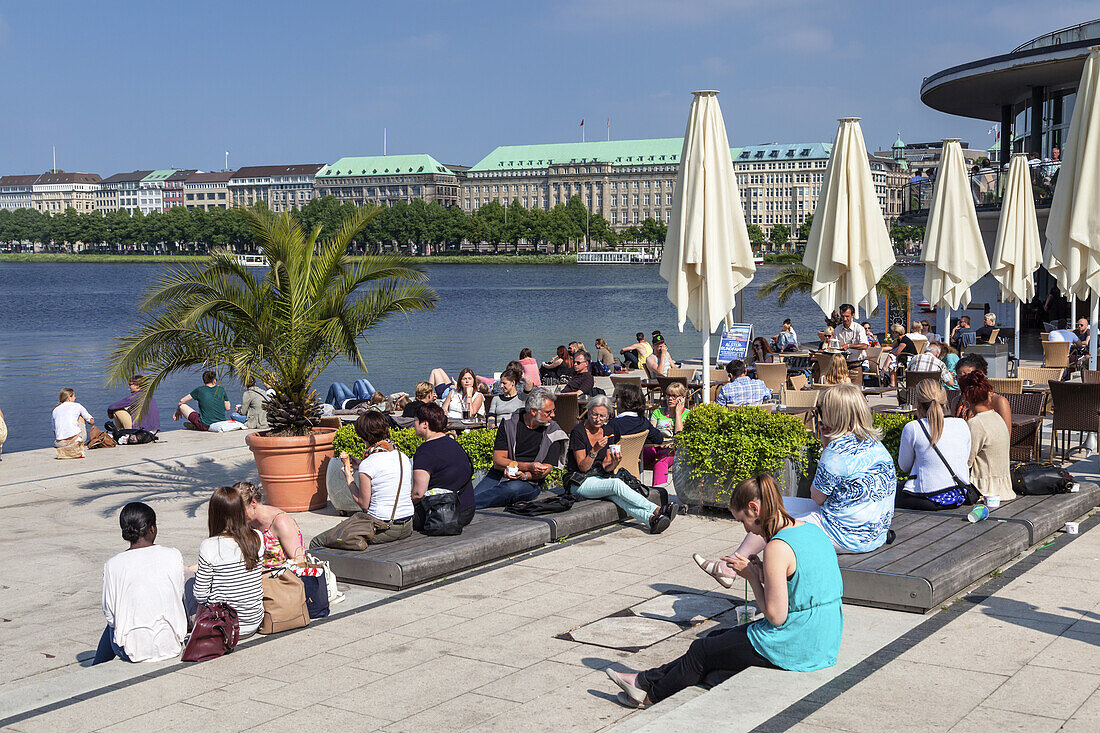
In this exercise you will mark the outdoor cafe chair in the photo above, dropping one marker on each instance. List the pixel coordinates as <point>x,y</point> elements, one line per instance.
<point>799,398</point>
<point>1076,408</point>
<point>1038,375</point>
<point>968,339</point>
<point>1007,386</point>
<point>773,375</point>
<point>567,411</point>
<point>798,381</point>
<point>912,379</point>
<point>679,372</point>
<point>719,376</point>
<point>631,446</point>
<point>1025,441</point>
<point>1056,354</point>
<point>993,336</point>
<point>1090,376</point>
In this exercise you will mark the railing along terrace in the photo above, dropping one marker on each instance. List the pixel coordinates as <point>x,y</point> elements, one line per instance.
<point>987,187</point>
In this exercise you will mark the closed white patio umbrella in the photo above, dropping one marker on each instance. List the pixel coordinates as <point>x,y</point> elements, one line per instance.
<point>848,248</point>
<point>1072,251</point>
<point>953,251</point>
<point>1017,254</point>
<point>707,257</point>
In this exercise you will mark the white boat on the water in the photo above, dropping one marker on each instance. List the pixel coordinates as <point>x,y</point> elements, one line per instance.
<point>251,260</point>
<point>619,257</point>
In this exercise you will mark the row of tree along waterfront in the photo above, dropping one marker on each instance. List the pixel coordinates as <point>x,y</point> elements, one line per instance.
<point>416,227</point>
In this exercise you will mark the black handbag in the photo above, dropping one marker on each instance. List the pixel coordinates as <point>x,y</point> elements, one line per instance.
<point>968,491</point>
<point>1040,479</point>
<point>440,514</point>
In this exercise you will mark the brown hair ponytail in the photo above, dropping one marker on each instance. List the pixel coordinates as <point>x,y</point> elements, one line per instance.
<point>763,489</point>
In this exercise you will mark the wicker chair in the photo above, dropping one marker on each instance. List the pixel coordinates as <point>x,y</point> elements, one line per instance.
<point>1025,443</point>
<point>1076,408</point>
<point>798,381</point>
<point>912,379</point>
<point>1090,376</point>
<point>1056,354</point>
<point>993,336</point>
<point>1044,336</point>
<point>566,412</point>
<point>799,398</point>
<point>685,374</point>
<point>1008,386</point>
<point>773,375</point>
<point>632,453</point>
<point>719,376</point>
<point>1038,375</point>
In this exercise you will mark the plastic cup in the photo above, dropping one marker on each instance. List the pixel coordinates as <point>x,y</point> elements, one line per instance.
<point>993,502</point>
<point>1072,527</point>
<point>978,513</point>
<point>745,614</point>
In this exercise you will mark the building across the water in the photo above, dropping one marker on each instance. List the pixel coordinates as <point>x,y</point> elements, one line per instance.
<point>207,190</point>
<point>55,191</point>
<point>15,191</point>
<point>387,179</point>
<point>281,187</point>
<point>629,181</point>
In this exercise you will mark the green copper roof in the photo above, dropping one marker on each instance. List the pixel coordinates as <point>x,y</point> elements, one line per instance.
<point>898,144</point>
<point>659,151</point>
<point>383,165</point>
<point>161,175</point>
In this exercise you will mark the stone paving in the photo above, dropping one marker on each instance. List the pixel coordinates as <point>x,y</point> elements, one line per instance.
<point>483,650</point>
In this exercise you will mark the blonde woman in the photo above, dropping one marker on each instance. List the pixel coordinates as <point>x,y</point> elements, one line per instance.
<point>282,537</point>
<point>837,373</point>
<point>69,420</point>
<point>852,495</point>
<point>669,419</point>
<point>932,447</point>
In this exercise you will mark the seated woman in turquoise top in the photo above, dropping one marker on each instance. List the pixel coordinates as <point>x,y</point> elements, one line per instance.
<point>797,587</point>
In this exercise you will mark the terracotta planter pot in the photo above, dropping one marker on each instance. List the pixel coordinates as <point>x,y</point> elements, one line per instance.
<point>292,469</point>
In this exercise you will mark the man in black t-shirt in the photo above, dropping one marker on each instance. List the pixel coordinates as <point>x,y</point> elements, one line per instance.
<point>582,381</point>
<point>528,446</point>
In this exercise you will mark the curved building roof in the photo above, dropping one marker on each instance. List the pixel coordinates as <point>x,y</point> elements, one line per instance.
<point>978,89</point>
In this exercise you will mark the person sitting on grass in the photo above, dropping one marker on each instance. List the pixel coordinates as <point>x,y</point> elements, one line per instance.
<point>527,447</point>
<point>70,419</point>
<point>381,486</point>
<point>142,594</point>
<point>582,382</point>
<point>592,462</point>
<point>126,413</point>
<point>423,394</point>
<point>798,589</point>
<point>211,399</point>
<point>636,354</point>
<point>440,463</point>
<point>741,390</point>
<point>281,534</point>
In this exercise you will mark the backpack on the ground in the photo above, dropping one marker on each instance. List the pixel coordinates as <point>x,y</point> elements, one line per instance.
<point>134,436</point>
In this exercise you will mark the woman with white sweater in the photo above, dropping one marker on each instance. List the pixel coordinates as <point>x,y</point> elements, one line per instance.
<point>932,447</point>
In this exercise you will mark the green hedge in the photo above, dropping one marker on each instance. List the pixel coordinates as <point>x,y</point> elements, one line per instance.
<point>737,444</point>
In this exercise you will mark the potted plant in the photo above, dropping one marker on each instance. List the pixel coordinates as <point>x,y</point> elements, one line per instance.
<point>282,325</point>
<point>720,447</point>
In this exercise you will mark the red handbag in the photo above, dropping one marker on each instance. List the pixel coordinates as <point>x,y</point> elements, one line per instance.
<point>216,632</point>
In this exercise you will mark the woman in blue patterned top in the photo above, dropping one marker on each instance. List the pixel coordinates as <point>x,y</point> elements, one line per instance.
<point>797,588</point>
<point>853,489</point>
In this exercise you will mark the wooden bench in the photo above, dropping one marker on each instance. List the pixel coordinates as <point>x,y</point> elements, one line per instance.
<point>1044,515</point>
<point>933,557</point>
<point>937,554</point>
<point>584,516</point>
<point>418,559</point>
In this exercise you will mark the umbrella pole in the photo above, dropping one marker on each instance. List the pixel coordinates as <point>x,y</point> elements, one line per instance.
<point>706,368</point>
<point>1016,323</point>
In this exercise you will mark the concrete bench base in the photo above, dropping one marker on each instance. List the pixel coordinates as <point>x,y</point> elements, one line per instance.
<point>585,515</point>
<point>418,559</point>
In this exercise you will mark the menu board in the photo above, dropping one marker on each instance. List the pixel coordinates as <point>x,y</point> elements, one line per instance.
<point>735,343</point>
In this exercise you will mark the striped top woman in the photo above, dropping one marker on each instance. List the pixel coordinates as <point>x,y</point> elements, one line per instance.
<point>229,561</point>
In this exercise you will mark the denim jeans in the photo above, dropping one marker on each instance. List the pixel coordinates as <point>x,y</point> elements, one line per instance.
<point>338,393</point>
<point>624,497</point>
<point>107,649</point>
<point>502,491</point>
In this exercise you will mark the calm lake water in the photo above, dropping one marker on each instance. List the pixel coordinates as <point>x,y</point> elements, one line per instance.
<point>60,322</point>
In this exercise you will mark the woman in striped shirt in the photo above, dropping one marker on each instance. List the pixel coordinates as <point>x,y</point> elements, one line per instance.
<point>229,561</point>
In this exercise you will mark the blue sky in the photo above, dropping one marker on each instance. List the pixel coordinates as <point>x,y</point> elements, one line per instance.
<point>118,86</point>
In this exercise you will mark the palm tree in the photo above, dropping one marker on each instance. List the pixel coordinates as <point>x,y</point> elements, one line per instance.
<point>798,279</point>
<point>284,327</point>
